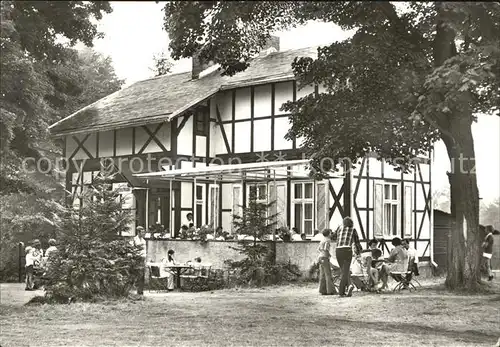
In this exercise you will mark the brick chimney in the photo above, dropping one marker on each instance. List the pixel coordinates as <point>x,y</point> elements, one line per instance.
<point>198,66</point>
<point>272,45</point>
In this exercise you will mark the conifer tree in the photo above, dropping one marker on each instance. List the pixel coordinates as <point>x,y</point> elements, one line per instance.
<point>93,259</point>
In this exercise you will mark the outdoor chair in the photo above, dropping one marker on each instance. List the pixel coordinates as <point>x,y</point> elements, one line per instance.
<point>360,277</point>
<point>413,272</point>
<point>196,279</point>
<point>157,279</point>
<point>403,278</point>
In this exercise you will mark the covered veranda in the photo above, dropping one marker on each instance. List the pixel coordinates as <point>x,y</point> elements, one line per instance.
<point>268,172</point>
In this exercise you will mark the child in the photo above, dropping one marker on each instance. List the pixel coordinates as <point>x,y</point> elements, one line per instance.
<point>30,262</point>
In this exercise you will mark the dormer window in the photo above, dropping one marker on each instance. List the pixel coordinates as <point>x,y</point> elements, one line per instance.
<point>201,117</point>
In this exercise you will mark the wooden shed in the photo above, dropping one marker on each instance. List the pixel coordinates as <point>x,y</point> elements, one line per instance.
<point>442,228</point>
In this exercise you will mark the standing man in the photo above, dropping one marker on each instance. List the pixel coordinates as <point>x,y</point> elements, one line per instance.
<point>325,272</point>
<point>488,250</point>
<point>140,242</point>
<point>346,237</point>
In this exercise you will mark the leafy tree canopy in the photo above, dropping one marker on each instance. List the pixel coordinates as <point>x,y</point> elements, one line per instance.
<point>43,79</point>
<point>411,74</point>
<point>395,91</point>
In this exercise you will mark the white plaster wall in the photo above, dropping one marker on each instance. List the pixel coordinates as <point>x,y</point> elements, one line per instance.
<point>186,195</point>
<point>124,141</point>
<point>376,168</point>
<point>224,102</point>
<point>201,146</point>
<point>262,101</point>
<point>281,126</point>
<point>242,102</point>
<point>389,172</point>
<point>217,145</point>
<point>303,91</point>
<point>283,92</point>
<point>185,139</point>
<point>242,137</point>
<point>106,144</point>
<point>262,135</point>
<point>424,168</point>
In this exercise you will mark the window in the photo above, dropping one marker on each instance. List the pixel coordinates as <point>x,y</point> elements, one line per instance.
<point>391,209</point>
<point>303,207</point>
<point>201,121</point>
<point>259,191</point>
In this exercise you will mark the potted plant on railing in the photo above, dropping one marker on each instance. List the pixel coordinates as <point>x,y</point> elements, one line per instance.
<point>285,234</point>
<point>204,231</point>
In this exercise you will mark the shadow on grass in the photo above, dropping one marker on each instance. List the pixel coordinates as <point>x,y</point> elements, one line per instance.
<point>468,336</point>
<point>43,300</point>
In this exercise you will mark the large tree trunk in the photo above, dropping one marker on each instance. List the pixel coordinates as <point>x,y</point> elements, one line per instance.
<point>464,244</point>
<point>463,248</point>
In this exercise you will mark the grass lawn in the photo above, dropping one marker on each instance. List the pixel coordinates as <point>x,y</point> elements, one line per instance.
<point>277,316</point>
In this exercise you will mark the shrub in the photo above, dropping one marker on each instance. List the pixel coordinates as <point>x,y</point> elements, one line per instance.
<point>93,260</point>
<point>248,273</point>
<point>258,268</point>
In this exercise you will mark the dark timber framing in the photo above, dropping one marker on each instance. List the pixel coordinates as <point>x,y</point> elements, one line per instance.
<point>252,115</point>
<point>233,117</point>
<point>343,196</point>
<point>273,96</point>
<point>294,98</point>
<point>223,130</point>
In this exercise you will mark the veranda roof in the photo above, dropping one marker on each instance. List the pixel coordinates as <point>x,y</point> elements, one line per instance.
<point>228,172</point>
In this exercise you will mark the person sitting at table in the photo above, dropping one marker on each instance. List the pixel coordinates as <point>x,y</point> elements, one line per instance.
<point>197,266</point>
<point>219,234</point>
<point>169,261</point>
<point>189,220</point>
<point>395,262</point>
<point>296,235</point>
<point>412,257</point>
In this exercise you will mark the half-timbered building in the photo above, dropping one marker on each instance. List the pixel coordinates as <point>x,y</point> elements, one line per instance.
<point>199,142</point>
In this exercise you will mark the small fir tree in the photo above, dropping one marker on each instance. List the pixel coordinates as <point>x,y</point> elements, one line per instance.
<point>258,267</point>
<point>255,220</point>
<point>94,260</point>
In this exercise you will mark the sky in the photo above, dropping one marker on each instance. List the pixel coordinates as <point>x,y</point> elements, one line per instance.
<point>134,34</point>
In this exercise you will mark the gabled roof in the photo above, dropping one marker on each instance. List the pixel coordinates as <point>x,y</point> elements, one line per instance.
<point>165,97</point>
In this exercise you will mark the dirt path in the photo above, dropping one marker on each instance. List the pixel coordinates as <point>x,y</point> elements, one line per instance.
<point>277,316</point>
<point>15,295</point>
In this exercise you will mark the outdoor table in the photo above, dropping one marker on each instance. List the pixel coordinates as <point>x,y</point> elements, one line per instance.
<point>177,268</point>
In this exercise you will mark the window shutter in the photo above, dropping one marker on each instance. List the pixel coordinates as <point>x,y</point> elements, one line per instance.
<point>322,205</point>
<point>214,206</point>
<point>378,209</point>
<point>408,210</point>
<point>279,207</point>
<point>237,202</point>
